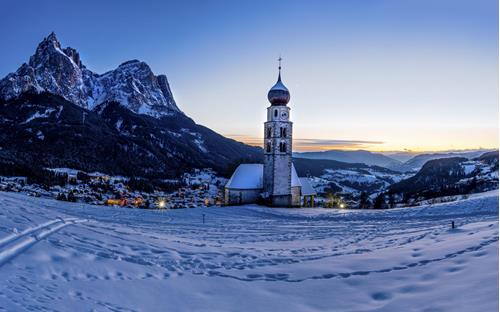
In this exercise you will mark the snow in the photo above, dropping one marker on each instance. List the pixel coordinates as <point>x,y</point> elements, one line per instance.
<point>76,257</point>
<point>295,177</point>
<point>40,135</point>
<point>68,171</point>
<point>247,176</point>
<point>351,176</point>
<point>307,189</point>
<point>175,134</point>
<point>37,115</point>
<point>118,124</point>
<point>200,144</point>
<point>468,167</point>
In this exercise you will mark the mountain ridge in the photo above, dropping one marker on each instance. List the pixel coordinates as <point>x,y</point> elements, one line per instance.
<point>358,156</point>
<point>411,164</point>
<point>46,130</point>
<point>60,71</point>
<point>54,112</point>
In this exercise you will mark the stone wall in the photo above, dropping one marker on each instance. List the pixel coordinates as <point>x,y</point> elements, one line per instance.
<point>296,202</point>
<point>240,197</point>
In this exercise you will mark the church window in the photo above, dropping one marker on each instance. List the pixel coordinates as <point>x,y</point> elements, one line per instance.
<point>268,148</point>
<point>282,147</point>
<point>283,132</point>
<point>269,131</point>
<point>275,113</point>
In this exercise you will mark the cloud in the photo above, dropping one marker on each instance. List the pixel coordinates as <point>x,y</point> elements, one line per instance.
<point>312,144</point>
<point>322,144</point>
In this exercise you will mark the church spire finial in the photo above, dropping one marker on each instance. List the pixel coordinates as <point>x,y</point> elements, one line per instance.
<point>279,68</point>
<point>279,94</point>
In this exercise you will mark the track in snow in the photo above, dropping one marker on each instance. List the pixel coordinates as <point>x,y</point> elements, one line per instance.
<point>15,244</point>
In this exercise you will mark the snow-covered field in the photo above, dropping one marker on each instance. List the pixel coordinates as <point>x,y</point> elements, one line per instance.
<point>75,257</point>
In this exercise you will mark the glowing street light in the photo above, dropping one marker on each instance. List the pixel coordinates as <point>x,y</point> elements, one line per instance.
<point>161,203</point>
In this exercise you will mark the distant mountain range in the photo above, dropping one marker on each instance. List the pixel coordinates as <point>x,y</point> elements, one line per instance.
<point>412,163</point>
<point>55,112</point>
<point>359,156</point>
<point>418,161</point>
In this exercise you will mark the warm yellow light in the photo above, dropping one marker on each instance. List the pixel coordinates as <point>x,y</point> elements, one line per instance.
<point>161,203</point>
<point>342,206</point>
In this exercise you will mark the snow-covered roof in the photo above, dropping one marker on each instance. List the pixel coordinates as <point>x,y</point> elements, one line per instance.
<point>295,177</point>
<point>307,188</point>
<point>247,177</point>
<point>250,177</point>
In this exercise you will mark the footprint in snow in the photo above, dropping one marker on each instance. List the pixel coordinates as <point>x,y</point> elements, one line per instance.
<point>381,295</point>
<point>454,269</point>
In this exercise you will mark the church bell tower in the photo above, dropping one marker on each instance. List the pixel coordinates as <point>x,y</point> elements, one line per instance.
<point>278,146</point>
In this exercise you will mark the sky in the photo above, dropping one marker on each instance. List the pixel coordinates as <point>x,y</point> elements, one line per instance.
<point>412,75</point>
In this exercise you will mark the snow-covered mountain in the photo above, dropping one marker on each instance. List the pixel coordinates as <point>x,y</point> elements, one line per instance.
<point>54,112</point>
<point>60,71</point>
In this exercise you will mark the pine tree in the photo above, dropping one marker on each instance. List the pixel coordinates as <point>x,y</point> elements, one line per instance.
<point>364,201</point>
<point>380,201</point>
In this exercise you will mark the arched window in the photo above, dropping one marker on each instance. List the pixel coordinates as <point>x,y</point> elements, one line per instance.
<point>283,132</point>
<point>269,132</point>
<point>268,148</point>
<point>275,113</point>
<point>282,147</point>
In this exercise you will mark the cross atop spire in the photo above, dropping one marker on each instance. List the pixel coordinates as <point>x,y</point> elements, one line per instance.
<point>279,68</point>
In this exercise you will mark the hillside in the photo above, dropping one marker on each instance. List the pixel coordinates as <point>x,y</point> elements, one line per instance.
<point>416,162</point>
<point>451,176</point>
<point>46,130</point>
<point>55,112</point>
<point>330,176</point>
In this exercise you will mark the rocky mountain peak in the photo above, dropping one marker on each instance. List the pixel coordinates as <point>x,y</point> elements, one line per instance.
<point>53,38</point>
<point>60,71</point>
<point>49,52</point>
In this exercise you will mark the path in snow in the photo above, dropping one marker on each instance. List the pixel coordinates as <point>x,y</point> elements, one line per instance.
<point>14,244</point>
<point>248,258</point>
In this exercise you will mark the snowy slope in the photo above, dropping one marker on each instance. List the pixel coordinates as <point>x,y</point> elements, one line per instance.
<point>75,257</point>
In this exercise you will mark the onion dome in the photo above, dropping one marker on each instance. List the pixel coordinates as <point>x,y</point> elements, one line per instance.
<point>279,94</point>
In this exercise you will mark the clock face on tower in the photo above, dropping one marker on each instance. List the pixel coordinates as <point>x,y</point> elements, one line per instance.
<point>284,115</point>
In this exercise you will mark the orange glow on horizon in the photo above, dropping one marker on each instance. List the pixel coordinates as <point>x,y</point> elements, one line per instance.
<point>308,145</point>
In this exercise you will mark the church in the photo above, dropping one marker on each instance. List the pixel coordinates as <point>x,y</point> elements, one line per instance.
<point>275,182</point>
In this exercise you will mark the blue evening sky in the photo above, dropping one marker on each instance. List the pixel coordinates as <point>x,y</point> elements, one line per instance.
<point>393,75</point>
